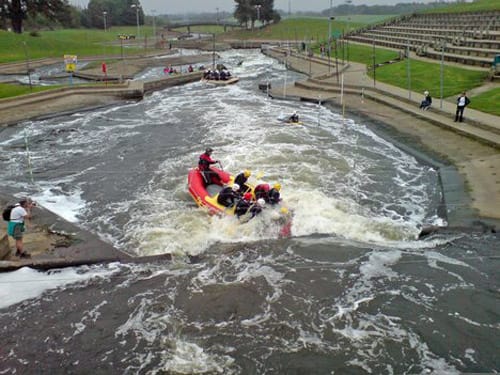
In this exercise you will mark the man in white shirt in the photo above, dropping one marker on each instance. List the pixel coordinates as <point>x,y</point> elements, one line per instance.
<point>462,102</point>
<point>19,213</point>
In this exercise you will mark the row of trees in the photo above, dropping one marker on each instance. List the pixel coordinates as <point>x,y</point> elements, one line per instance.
<point>16,11</point>
<point>60,12</point>
<point>249,11</point>
<point>118,12</point>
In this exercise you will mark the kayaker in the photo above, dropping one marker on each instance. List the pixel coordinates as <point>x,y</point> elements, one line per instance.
<point>228,196</point>
<point>204,163</point>
<point>262,191</point>
<point>294,117</point>
<point>241,180</point>
<point>274,194</point>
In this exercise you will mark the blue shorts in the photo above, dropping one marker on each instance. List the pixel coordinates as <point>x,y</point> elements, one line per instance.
<point>15,230</point>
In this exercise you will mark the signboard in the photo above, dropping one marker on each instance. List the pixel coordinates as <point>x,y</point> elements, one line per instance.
<point>70,63</point>
<point>336,34</point>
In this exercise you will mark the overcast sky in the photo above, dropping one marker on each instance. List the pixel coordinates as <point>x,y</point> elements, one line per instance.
<point>187,6</point>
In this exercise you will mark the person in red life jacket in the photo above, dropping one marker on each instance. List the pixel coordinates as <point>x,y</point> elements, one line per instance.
<point>190,69</point>
<point>262,191</point>
<point>274,194</point>
<point>241,180</point>
<point>204,164</point>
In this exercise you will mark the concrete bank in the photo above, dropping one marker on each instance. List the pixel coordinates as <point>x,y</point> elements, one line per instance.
<point>68,99</point>
<point>468,168</point>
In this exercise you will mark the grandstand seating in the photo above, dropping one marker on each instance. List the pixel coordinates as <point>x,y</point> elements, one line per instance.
<point>465,38</point>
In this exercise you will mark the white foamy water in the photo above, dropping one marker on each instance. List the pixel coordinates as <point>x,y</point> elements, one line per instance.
<point>26,283</point>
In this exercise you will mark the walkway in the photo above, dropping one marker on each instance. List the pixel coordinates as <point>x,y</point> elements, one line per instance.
<point>477,162</point>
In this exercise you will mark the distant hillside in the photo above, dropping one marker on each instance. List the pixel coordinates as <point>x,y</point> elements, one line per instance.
<point>403,8</point>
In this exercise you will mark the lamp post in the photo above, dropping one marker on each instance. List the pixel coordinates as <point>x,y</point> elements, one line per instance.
<point>257,7</point>
<point>217,19</point>
<point>137,6</point>
<point>153,11</point>
<point>104,16</point>
<point>330,35</point>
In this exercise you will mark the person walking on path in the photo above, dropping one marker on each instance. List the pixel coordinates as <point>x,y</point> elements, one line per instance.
<point>462,102</point>
<point>15,229</point>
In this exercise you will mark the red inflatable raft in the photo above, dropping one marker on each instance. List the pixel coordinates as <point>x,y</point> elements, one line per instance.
<point>206,196</point>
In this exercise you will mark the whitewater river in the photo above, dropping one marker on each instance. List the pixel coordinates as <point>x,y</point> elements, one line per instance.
<point>351,292</point>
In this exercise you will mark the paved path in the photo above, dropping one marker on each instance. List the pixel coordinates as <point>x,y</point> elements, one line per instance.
<point>434,131</point>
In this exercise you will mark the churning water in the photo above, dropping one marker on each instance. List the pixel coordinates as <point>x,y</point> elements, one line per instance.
<point>352,291</point>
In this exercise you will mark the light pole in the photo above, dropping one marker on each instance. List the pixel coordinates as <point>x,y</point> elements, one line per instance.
<point>217,19</point>
<point>104,16</point>
<point>257,7</point>
<point>153,11</point>
<point>330,35</point>
<point>137,6</point>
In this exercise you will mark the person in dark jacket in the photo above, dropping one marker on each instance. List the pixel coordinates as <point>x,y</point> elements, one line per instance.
<point>426,103</point>
<point>294,117</point>
<point>274,194</point>
<point>229,195</point>
<point>243,205</point>
<point>241,180</point>
<point>462,102</point>
<point>204,164</point>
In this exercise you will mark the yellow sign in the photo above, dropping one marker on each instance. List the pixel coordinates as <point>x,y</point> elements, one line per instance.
<point>70,62</point>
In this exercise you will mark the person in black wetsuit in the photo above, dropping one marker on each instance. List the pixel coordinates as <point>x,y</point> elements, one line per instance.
<point>228,196</point>
<point>274,194</point>
<point>241,180</point>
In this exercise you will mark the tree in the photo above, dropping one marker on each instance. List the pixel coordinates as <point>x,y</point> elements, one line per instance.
<point>118,12</point>
<point>246,11</point>
<point>17,10</point>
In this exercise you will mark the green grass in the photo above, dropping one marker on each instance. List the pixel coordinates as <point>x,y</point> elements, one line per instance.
<point>204,29</point>
<point>9,90</point>
<point>426,76</point>
<point>365,18</point>
<point>296,29</point>
<point>476,6</point>
<point>360,53</point>
<point>487,102</point>
<point>57,43</point>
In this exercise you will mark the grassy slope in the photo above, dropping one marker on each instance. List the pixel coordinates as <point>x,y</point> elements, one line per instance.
<point>476,6</point>
<point>426,76</point>
<point>81,42</point>
<point>296,29</point>
<point>7,90</point>
<point>487,102</point>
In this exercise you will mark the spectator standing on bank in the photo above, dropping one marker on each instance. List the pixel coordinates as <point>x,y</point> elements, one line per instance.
<point>15,229</point>
<point>462,102</point>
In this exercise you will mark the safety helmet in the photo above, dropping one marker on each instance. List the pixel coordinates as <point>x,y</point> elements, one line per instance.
<point>236,187</point>
<point>261,201</point>
<point>426,92</point>
<point>247,196</point>
<point>209,150</point>
<point>277,186</point>
<point>247,173</point>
